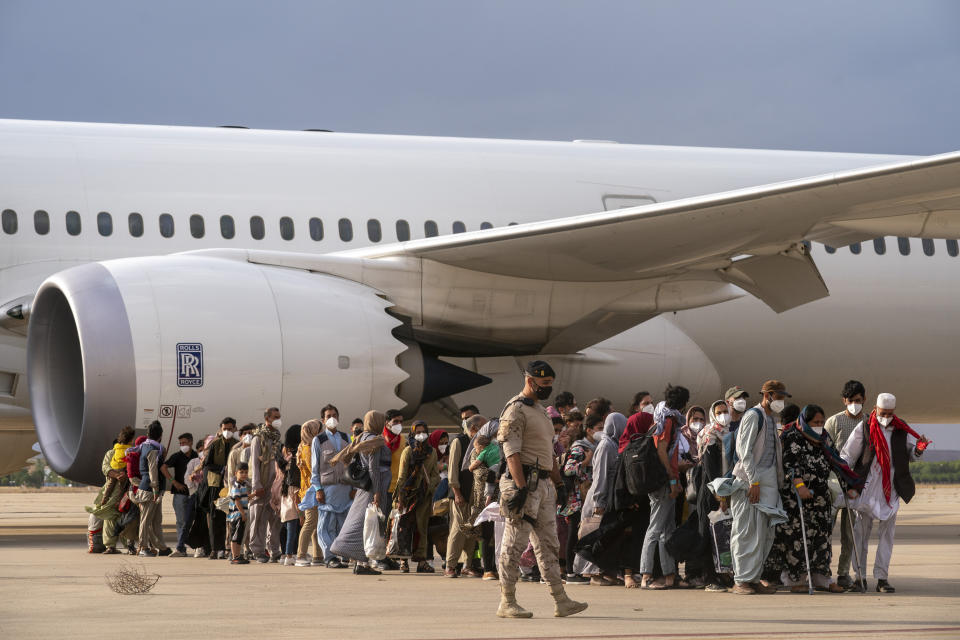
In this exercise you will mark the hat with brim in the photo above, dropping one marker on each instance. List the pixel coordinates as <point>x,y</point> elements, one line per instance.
<point>735,392</point>
<point>775,386</point>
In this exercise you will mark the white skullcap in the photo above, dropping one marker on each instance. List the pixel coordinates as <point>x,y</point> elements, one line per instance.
<point>886,401</point>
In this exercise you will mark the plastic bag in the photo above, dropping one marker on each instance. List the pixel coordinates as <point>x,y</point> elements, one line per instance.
<point>374,541</point>
<point>721,525</point>
<point>400,541</point>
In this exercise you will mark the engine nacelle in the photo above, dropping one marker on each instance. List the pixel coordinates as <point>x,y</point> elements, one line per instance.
<point>188,340</point>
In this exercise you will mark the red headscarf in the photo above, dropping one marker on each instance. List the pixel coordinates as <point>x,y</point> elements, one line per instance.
<point>881,450</point>
<point>637,426</point>
<point>434,438</point>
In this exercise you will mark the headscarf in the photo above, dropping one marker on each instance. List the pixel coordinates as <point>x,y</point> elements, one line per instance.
<point>844,473</point>
<point>689,434</point>
<point>605,459</point>
<point>291,439</point>
<point>637,426</point>
<point>309,430</point>
<point>435,438</point>
<point>374,422</point>
<point>713,432</point>
<point>880,448</point>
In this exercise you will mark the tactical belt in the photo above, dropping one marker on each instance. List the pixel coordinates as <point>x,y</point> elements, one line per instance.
<point>530,471</point>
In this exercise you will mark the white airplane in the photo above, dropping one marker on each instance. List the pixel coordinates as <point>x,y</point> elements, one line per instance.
<point>186,274</point>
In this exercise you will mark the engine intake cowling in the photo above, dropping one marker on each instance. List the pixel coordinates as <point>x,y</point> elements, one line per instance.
<point>188,340</point>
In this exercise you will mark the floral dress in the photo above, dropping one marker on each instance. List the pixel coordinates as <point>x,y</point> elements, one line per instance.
<point>803,459</point>
<point>574,468</point>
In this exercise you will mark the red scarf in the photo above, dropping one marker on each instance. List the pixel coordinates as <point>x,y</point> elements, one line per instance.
<point>393,441</point>
<point>880,448</point>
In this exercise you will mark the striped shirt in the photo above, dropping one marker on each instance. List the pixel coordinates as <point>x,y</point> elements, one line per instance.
<point>238,490</point>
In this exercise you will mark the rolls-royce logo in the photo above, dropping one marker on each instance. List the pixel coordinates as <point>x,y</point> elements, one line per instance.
<point>189,364</point>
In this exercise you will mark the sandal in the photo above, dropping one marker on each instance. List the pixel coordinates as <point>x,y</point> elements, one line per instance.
<point>425,567</point>
<point>630,583</point>
<point>653,585</point>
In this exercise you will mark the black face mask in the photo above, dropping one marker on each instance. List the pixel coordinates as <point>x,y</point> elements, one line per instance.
<point>543,392</point>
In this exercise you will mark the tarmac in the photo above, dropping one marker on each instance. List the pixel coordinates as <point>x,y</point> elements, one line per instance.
<point>51,588</point>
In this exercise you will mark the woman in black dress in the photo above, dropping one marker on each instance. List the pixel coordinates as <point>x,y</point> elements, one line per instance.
<point>808,459</point>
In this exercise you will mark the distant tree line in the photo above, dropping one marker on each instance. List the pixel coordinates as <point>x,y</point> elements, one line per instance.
<point>936,472</point>
<point>35,475</point>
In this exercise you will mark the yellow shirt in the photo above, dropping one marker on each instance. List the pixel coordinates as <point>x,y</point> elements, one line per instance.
<point>395,464</point>
<point>306,470</point>
<point>119,456</point>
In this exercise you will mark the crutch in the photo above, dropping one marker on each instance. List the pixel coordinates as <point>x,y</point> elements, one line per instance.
<point>851,514</point>
<point>803,530</point>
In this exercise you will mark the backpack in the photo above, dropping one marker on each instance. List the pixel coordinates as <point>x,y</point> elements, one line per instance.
<point>641,472</point>
<point>133,460</point>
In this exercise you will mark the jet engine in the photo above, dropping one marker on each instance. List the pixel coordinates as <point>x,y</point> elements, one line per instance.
<point>188,340</point>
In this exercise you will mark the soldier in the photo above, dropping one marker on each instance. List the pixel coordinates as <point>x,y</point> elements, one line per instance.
<point>528,501</point>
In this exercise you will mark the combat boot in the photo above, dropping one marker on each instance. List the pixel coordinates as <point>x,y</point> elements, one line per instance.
<point>509,607</point>
<point>564,605</point>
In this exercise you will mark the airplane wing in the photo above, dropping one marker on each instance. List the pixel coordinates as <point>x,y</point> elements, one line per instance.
<point>561,285</point>
<point>749,237</point>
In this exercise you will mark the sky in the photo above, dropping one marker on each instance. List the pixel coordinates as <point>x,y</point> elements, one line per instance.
<point>879,76</point>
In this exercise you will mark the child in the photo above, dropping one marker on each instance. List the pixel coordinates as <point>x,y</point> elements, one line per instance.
<point>486,454</point>
<point>238,512</point>
<point>118,464</point>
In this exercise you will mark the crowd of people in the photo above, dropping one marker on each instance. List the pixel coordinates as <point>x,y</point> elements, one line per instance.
<point>744,498</point>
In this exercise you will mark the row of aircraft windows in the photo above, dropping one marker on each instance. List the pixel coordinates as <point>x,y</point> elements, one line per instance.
<point>903,246</point>
<point>41,224</point>
<point>197,223</point>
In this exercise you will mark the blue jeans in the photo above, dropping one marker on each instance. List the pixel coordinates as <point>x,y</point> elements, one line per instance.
<point>184,507</point>
<point>290,534</point>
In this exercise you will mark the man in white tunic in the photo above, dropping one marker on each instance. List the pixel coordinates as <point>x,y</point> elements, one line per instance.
<point>879,449</point>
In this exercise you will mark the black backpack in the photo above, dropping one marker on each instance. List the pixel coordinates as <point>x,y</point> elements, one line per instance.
<point>642,471</point>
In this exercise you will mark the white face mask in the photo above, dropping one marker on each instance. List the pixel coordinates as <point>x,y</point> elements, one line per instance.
<point>442,448</point>
<point>395,429</point>
<point>777,406</point>
<point>817,430</point>
<point>246,439</point>
<point>276,424</point>
<point>739,405</point>
<point>854,409</point>
<point>464,425</point>
<point>723,419</point>
<point>596,436</point>
<point>332,423</point>
<point>696,426</point>
<point>228,435</point>
<point>885,420</point>
<point>185,448</point>
<point>420,437</point>
<point>647,409</point>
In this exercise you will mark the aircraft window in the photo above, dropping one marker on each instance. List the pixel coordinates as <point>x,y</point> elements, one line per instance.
<point>316,229</point>
<point>855,248</point>
<point>486,225</point>
<point>403,230</point>
<point>286,228</point>
<point>430,229</point>
<point>73,223</point>
<point>257,230</point>
<point>904,245</point>
<point>880,246</point>
<point>512,224</point>
<point>166,225</point>
<point>41,222</point>
<point>373,230</point>
<point>104,223</point>
<point>927,244</point>
<point>346,229</point>
<point>952,249</point>
<point>227,228</point>
<point>197,226</point>
<point>459,227</point>
<point>135,224</point>
<point>9,221</point>
<point>829,248</point>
